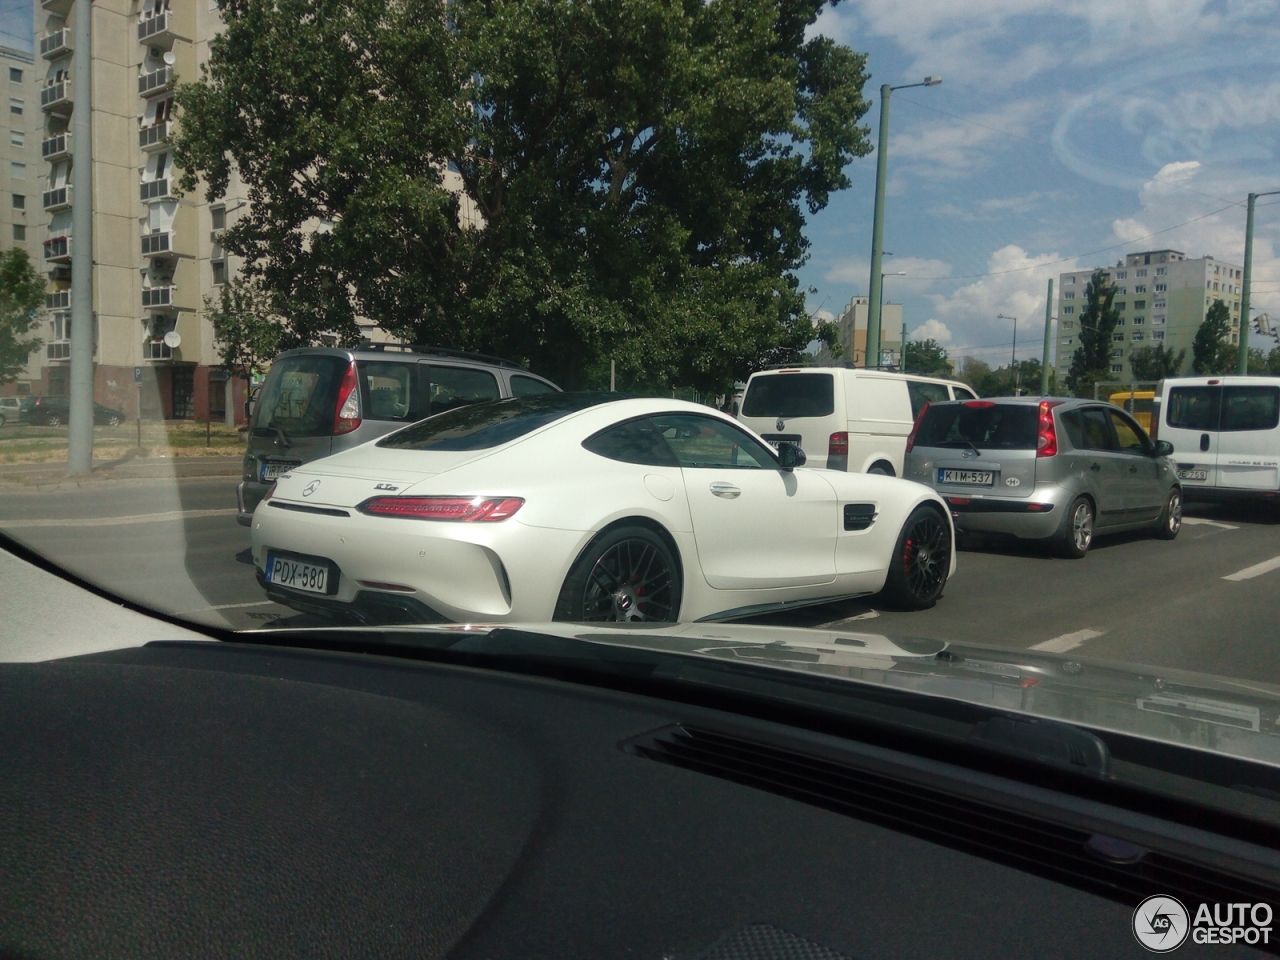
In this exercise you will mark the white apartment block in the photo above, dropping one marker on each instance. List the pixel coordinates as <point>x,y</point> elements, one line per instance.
<point>1162,298</point>
<point>20,170</point>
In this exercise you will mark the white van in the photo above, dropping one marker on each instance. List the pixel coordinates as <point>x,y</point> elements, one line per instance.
<point>1225,433</point>
<point>841,417</point>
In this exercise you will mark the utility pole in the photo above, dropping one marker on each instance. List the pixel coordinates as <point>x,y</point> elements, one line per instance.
<point>1048,329</point>
<point>1243,367</point>
<point>1013,357</point>
<point>877,223</point>
<point>80,419</point>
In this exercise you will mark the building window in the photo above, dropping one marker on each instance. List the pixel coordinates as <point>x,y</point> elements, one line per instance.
<point>1159,319</point>
<point>1161,271</point>
<point>1137,335</point>
<point>1122,274</point>
<point>1069,295</point>
<point>1121,305</point>
<point>1141,273</point>
<point>15,75</point>
<point>1118,337</point>
<point>18,171</point>
<point>219,215</point>
<point>15,106</point>
<point>1066,341</point>
<point>1068,309</point>
<point>19,201</point>
<point>1137,320</point>
<point>1161,287</point>
<point>1157,334</point>
<point>1139,304</point>
<point>219,272</point>
<point>19,232</point>
<point>1067,280</point>
<point>1140,288</point>
<point>17,138</point>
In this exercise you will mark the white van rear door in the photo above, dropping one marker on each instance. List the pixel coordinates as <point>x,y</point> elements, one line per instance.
<point>1190,422</point>
<point>798,406</point>
<point>879,421</point>
<point>1249,437</point>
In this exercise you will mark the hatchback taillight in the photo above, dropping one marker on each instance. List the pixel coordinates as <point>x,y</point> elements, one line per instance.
<point>838,451</point>
<point>460,509</point>
<point>915,427</point>
<point>346,415</point>
<point>1047,432</point>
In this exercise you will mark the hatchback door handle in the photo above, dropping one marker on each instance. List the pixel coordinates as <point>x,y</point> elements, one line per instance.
<point>1096,467</point>
<point>726,490</point>
<point>1204,443</point>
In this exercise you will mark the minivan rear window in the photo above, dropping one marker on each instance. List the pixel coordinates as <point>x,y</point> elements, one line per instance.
<point>994,427</point>
<point>480,426</point>
<point>790,395</point>
<point>1250,408</point>
<point>299,396</point>
<point>1194,408</point>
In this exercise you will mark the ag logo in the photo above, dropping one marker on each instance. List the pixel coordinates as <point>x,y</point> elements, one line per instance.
<point>1161,924</point>
<point>1011,481</point>
<point>310,488</point>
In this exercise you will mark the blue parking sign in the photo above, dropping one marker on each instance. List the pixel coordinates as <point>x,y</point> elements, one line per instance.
<point>137,374</point>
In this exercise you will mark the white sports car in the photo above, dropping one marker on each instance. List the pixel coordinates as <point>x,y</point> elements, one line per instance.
<point>586,507</point>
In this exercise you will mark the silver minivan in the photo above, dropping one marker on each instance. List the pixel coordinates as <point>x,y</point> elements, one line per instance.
<point>317,401</point>
<point>1045,469</point>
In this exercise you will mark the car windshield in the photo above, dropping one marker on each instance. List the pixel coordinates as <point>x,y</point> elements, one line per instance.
<point>980,424</point>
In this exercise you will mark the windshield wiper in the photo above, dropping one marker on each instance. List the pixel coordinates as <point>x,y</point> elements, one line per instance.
<point>282,438</point>
<point>967,443</point>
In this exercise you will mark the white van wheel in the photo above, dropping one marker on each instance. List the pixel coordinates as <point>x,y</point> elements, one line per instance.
<point>882,469</point>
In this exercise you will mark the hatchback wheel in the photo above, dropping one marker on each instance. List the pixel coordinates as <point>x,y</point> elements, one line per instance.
<point>921,561</point>
<point>53,421</point>
<point>113,421</point>
<point>626,575</point>
<point>1076,536</point>
<point>1171,517</point>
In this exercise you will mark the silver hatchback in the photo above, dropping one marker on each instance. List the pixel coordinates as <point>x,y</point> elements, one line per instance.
<point>1045,469</point>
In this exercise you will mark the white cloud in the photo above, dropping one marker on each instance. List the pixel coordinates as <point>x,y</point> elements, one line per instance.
<point>932,330</point>
<point>857,270</point>
<point>949,147</point>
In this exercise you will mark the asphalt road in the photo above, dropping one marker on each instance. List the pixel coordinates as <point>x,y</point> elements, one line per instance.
<point>1201,602</point>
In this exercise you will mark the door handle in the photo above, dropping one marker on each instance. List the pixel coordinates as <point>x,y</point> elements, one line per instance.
<point>726,490</point>
<point>1095,467</point>
<point>1204,443</point>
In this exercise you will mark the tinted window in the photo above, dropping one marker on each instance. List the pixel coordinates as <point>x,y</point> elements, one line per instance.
<point>529,387</point>
<point>484,425</point>
<point>636,441</point>
<point>391,390</point>
<point>1194,408</point>
<point>1128,436</point>
<point>1250,408</point>
<point>963,394</point>
<point>1095,430</point>
<point>453,387</point>
<point>995,427</point>
<point>299,397</point>
<point>790,395</point>
<point>707,442</point>
<point>922,393</point>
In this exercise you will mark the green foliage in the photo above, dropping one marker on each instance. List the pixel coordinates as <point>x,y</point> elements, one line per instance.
<point>1273,362</point>
<point>1024,377</point>
<point>1211,350</point>
<point>1092,360</point>
<point>1156,363</point>
<point>632,175</point>
<point>926,356</point>
<point>247,333</point>
<point>21,300</point>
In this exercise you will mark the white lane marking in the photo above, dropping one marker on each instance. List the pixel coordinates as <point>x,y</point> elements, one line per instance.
<point>1068,641</point>
<point>1201,521</point>
<point>1257,570</point>
<point>117,521</point>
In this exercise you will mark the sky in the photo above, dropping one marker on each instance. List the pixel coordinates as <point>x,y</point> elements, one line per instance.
<point>1065,134</point>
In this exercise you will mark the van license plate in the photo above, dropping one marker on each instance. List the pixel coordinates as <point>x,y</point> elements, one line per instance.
<point>1193,474</point>
<point>297,574</point>
<point>273,471</point>
<point>975,478</point>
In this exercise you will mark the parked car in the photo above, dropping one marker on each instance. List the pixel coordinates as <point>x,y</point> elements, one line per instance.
<point>1225,433</point>
<point>584,507</point>
<point>14,410</point>
<point>1045,469</point>
<point>55,411</point>
<point>317,401</point>
<point>843,418</point>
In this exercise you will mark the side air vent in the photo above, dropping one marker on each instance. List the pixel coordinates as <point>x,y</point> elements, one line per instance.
<point>1060,852</point>
<point>859,516</point>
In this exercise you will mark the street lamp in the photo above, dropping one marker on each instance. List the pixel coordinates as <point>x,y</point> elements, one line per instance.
<point>1013,357</point>
<point>902,346</point>
<point>1243,367</point>
<point>877,223</point>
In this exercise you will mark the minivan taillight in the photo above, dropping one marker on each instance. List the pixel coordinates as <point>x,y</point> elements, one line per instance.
<point>838,451</point>
<point>1047,433</point>
<point>347,414</point>
<point>915,427</point>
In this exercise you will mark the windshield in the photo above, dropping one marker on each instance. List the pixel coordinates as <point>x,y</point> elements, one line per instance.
<point>957,323</point>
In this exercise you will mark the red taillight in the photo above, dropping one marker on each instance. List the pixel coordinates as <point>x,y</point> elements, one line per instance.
<point>346,415</point>
<point>838,445</point>
<point>979,404</point>
<point>915,427</point>
<point>1047,433</point>
<point>270,490</point>
<point>464,509</point>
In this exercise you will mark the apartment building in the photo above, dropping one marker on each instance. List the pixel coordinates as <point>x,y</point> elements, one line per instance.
<point>20,168</point>
<point>1162,298</point>
<point>852,323</point>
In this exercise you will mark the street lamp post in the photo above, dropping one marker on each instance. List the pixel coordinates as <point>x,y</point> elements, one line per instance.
<point>1243,366</point>
<point>877,223</point>
<point>1013,357</point>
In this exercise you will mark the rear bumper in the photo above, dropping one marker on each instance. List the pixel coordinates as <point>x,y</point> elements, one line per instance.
<point>249,494</point>
<point>1228,495</point>
<point>1031,518</point>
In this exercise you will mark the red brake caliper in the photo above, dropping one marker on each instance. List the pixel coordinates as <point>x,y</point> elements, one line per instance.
<point>906,557</point>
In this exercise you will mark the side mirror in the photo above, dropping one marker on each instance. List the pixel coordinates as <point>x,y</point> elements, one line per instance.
<point>1164,448</point>
<point>790,456</point>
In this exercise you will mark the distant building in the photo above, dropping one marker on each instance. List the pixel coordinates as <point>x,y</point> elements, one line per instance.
<point>20,153</point>
<point>852,322</point>
<point>1162,298</point>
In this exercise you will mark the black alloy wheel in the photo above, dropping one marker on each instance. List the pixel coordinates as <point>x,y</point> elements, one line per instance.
<point>627,575</point>
<point>921,561</point>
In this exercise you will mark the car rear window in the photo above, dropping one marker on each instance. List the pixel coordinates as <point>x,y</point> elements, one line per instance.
<point>480,426</point>
<point>993,426</point>
<point>1194,408</point>
<point>299,396</point>
<point>789,395</point>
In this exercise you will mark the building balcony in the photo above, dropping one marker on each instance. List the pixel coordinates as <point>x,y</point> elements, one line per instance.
<point>58,300</point>
<point>57,250</point>
<point>155,190</point>
<point>59,7</point>
<point>155,83</point>
<point>56,44</point>
<point>154,137</point>
<point>57,199</point>
<point>56,147</point>
<point>60,350</point>
<point>157,30</point>
<point>157,244</point>
<point>158,297</point>
<point>56,98</point>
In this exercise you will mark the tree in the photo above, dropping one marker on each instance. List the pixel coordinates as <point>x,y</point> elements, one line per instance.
<point>1257,362</point>
<point>632,176</point>
<point>925,356</point>
<point>1156,363</point>
<point>21,299</point>
<point>247,333</point>
<point>1092,360</point>
<point>1211,351</point>
<point>1273,362</point>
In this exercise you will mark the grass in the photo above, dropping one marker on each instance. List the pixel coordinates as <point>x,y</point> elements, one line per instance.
<point>174,438</point>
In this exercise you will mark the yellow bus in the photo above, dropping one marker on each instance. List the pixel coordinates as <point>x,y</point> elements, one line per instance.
<point>1139,403</point>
